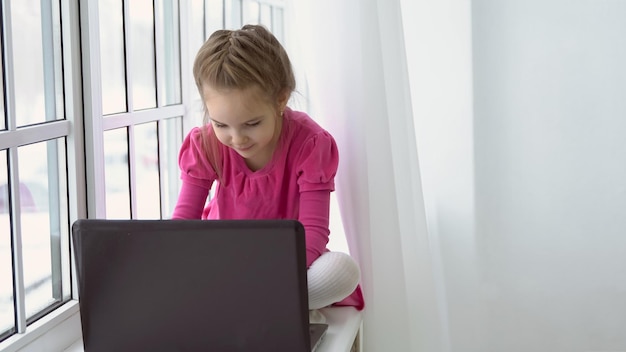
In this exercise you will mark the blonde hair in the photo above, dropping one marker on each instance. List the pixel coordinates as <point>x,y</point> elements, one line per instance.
<point>240,59</point>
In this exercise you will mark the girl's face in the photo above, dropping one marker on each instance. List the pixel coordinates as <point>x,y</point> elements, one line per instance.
<point>245,122</point>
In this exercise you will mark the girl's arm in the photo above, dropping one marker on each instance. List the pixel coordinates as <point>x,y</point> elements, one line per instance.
<point>197,175</point>
<point>191,200</point>
<point>314,214</point>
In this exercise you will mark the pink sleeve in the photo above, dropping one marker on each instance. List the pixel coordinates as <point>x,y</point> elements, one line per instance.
<point>314,213</point>
<point>317,163</point>
<point>191,200</point>
<point>192,160</point>
<point>197,176</point>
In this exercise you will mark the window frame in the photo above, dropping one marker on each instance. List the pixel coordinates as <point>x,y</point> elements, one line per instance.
<point>96,123</point>
<point>16,136</point>
<point>83,129</point>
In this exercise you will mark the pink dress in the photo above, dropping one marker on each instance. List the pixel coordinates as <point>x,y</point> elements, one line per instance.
<point>295,184</point>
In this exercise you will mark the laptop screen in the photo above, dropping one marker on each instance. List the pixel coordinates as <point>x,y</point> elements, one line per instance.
<point>192,285</point>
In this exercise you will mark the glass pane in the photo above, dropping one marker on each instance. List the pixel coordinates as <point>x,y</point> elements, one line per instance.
<point>36,35</point>
<point>141,15</point>
<point>278,24</point>
<point>116,174</point>
<point>214,16</point>
<point>6,274</point>
<point>147,171</point>
<point>196,35</point>
<point>112,56</point>
<point>250,12</point>
<point>170,136</point>
<point>41,186</point>
<point>3,122</point>
<point>170,64</point>
<point>232,14</point>
<point>265,16</point>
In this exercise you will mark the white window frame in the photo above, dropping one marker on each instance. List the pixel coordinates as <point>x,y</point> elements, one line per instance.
<point>96,125</point>
<point>76,178</point>
<point>61,327</point>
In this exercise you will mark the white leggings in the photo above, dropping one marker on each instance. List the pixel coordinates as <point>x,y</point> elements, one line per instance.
<point>331,277</point>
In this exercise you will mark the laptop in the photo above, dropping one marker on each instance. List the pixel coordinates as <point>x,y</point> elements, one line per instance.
<point>193,285</point>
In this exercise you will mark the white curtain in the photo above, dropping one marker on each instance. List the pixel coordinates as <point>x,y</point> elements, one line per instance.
<point>517,111</point>
<point>507,234</point>
<point>350,54</point>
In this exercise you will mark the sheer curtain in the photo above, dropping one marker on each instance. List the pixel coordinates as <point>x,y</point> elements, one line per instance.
<point>507,233</point>
<point>351,57</point>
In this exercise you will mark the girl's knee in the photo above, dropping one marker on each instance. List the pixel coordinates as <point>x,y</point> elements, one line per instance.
<point>331,278</point>
<point>338,263</point>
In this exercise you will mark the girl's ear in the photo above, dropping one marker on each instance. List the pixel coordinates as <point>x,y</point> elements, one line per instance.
<point>283,98</point>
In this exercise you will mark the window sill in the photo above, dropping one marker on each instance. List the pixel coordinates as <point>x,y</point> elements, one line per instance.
<point>52,332</point>
<point>344,325</point>
<point>344,329</point>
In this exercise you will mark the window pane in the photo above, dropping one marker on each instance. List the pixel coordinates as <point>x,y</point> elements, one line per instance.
<point>147,171</point>
<point>3,122</point>
<point>170,63</point>
<point>196,26</point>
<point>171,139</point>
<point>214,16</point>
<point>116,174</point>
<point>141,16</point>
<point>36,36</point>
<point>112,56</point>
<point>250,12</point>
<point>278,24</point>
<point>265,15</point>
<point>232,14</point>
<point>42,182</point>
<point>6,277</point>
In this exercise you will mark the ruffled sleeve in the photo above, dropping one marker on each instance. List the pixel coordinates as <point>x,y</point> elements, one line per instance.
<point>317,164</point>
<point>194,166</point>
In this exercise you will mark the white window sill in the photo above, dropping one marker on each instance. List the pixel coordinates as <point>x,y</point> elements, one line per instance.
<point>344,324</point>
<point>52,332</point>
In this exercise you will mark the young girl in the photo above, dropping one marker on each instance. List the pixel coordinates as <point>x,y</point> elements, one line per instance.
<point>269,162</point>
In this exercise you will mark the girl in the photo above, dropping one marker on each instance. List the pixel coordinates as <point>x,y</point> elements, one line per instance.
<point>269,162</point>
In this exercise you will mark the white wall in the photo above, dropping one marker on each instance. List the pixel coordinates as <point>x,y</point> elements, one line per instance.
<point>550,121</point>
<point>525,183</point>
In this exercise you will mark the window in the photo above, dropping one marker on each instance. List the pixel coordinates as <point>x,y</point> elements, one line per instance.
<point>139,87</point>
<point>34,209</point>
<point>96,101</point>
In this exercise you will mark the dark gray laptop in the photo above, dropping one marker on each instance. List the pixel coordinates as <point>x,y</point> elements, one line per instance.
<point>193,285</point>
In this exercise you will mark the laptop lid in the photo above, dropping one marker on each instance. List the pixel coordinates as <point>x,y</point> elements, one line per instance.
<point>192,285</point>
